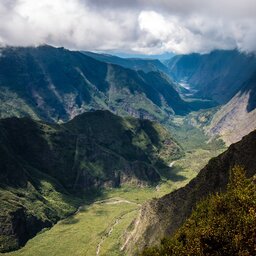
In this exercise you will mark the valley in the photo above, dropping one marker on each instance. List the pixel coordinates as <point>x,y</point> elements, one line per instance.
<point>103,156</point>
<point>96,229</point>
<point>104,224</point>
<point>127,128</point>
<point>163,217</point>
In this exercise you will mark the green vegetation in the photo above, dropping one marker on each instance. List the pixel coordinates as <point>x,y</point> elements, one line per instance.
<point>12,105</point>
<point>24,211</point>
<point>107,166</point>
<point>162,217</point>
<point>222,224</point>
<point>96,227</point>
<point>198,148</point>
<point>105,222</point>
<point>101,150</point>
<point>54,84</point>
<point>90,227</point>
<point>189,133</point>
<point>47,168</point>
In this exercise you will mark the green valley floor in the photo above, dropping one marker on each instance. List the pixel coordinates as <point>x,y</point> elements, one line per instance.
<point>103,227</point>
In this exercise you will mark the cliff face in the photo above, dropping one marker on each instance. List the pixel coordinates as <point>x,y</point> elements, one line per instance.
<point>163,216</point>
<point>43,167</point>
<point>238,117</point>
<point>55,84</point>
<point>218,75</point>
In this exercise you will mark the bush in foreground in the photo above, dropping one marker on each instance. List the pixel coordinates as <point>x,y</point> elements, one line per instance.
<point>222,224</point>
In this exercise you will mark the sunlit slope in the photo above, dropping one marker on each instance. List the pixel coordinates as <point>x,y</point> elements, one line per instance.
<point>46,168</point>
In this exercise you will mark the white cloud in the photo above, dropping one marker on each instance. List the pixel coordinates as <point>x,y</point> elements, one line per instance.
<point>147,26</point>
<point>69,23</point>
<point>195,33</point>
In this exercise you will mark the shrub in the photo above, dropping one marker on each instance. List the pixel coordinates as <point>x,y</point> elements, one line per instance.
<point>222,224</point>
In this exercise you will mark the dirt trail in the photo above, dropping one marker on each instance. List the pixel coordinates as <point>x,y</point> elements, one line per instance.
<point>134,231</point>
<point>115,200</point>
<point>107,235</point>
<point>110,229</point>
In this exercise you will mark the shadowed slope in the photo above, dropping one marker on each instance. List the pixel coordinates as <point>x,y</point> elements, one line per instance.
<point>163,216</point>
<point>218,75</point>
<point>55,84</point>
<point>43,167</point>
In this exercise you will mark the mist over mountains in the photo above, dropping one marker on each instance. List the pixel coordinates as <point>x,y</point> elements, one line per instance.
<point>55,84</point>
<point>75,124</point>
<point>127,128</point>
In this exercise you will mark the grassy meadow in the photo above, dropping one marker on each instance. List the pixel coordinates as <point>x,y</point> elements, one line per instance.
<point>100,228</point>
<point>104,219</point>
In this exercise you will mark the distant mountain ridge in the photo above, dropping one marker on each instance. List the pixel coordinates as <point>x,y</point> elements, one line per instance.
<point>218,75</point>
<point>227,77</point>
<point>56,84</point>
<point>146,65</point>
<point>45,167</point>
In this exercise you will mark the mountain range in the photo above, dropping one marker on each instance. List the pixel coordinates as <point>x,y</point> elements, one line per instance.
<point>226,77</point>
<point>76,123</point>
<point>217,75</point>
<point>45,166</point>
<point>55,84</point>
<point>146,65</point>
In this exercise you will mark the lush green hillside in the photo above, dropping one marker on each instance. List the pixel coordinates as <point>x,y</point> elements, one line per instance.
<point>222,224</point>
<point>45,167</point>
<point>217,75</point>
<point>48,170</point>
<point>164,216</point>
<point>55,84</point>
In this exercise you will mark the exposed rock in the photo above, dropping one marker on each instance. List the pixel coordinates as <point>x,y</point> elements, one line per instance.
<point>218,75</point>
<point>55,84</point>
<point>161,217</point>
<point>238,117</point>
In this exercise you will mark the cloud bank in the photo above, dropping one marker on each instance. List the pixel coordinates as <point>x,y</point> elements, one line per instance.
<point>143,26</point>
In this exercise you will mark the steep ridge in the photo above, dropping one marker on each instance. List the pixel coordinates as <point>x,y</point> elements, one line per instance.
<point>238,117</point>
<point>55,84</point>
<point>221,224</point>
<point>43,167</point>
<point>218,75</point>
<point>146,65</point>
<point>163,216</point>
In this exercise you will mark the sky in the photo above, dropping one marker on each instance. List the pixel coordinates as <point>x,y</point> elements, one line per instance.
<point>131,26</point>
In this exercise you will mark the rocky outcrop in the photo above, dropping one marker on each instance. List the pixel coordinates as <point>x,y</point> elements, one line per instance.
<point>238,117</point>
<point>161,217</point>
<point>217,75</point>
<point>18,227</point>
